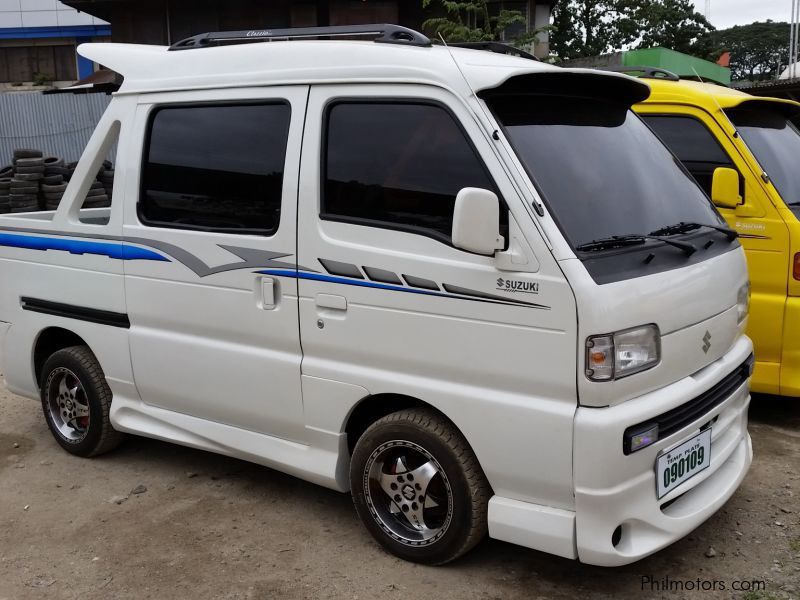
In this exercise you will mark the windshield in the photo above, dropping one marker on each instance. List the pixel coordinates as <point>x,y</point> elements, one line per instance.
<point>600,169</point>
<point>776,145</point>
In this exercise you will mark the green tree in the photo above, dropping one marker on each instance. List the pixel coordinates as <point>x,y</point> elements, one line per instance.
<point>475,21</point>
<point>592,27</point>
<point>759,51</point>
<point>672,24</point>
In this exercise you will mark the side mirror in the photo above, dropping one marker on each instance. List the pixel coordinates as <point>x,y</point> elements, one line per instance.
<point>476,221</point>
<point>725,188</point>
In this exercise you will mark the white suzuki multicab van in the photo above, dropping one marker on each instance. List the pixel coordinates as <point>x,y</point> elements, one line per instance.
<point>456,283</point>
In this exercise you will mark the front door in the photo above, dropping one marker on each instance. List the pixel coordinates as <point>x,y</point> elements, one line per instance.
<point>388,303</point>
<point>211,336</point>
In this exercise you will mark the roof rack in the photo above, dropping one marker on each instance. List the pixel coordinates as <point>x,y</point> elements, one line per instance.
<point>386,33</point>
<point>646,72</point>
<point>497,47</point>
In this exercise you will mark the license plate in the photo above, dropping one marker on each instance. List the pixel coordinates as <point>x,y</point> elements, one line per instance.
<point>683,462</point>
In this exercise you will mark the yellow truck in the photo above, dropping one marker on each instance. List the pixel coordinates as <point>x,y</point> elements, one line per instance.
<point>745,153</point>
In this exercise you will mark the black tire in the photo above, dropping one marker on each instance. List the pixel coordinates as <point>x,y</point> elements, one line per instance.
<point>29,176</point>
<point>97,202</point>
<point>25,204</point>
<point>27,153</point>
<point>29,170</point>
<point>98,436</point>
<point>53,161</point>
<point>63,171</point>
<point>52,180</point>
<point>462,491</point>
<point>23,200</point>
<point>54,197</point>
<point>50,189</point>
<point>19,183</point>
<point>5,184</point>
<point>29,162</point>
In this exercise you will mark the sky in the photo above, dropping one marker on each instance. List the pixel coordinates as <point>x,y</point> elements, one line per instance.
<point>727,13</point>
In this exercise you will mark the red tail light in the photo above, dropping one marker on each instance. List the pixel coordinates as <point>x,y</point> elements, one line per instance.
<point>796,267</point>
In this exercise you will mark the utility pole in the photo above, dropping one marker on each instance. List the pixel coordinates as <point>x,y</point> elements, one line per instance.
<point>794,39</point>
<point>708,10</point>
<point>791,41</point>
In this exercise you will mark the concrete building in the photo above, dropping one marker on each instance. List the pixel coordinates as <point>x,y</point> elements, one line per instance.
<point>38,40</point>
<point>168,21</point>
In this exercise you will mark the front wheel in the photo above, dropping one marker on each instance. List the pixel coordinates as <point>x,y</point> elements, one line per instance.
<point>418,487</point>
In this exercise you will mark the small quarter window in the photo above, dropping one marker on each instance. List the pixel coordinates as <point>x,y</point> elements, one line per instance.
<point>397,165</point>
<point>216,168</point>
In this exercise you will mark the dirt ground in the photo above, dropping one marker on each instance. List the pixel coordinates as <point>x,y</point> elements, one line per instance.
<point>213,527</point>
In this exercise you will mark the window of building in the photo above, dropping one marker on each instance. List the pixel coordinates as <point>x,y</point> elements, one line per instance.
<point>397,165</point>
<point>20,64</point>
<point>693,144</point>
<point>514,30</point>
<point>216,168</point>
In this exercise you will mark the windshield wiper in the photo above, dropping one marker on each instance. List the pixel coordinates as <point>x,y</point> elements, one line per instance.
<point>685,226</point>
<point>619,241</point>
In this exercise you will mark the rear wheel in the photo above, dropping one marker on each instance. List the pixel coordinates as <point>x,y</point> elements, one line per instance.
<point>418,487</point>
<point>76,401</point>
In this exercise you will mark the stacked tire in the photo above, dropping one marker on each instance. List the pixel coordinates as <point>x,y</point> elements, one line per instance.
<point>28,171</point>
<point>5,192</point>
<point>106,177</point>
<point>38,182</point>
<point>96,197</point>
<point>54,183</point>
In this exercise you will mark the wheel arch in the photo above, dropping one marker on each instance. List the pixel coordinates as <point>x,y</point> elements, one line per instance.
<point>376,406</point>
<point>50,340</point>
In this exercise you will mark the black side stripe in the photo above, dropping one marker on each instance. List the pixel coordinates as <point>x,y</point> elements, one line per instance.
<point>81,313</point>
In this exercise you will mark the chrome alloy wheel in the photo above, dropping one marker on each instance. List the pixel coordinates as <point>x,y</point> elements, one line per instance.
<point>67,404</point>
<point>408,493</point>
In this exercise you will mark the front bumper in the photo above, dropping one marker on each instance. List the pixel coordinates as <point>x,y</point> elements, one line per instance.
<point>616,491</point>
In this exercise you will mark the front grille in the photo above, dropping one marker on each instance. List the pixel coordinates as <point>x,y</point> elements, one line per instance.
<point>681,416</point>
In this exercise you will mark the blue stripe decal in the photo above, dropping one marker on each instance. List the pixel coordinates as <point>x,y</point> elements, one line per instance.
<point>112,250</point>
<point>356,282</point>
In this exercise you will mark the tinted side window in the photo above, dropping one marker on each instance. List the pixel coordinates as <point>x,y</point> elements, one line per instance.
<point>693,144</point>
<point>216,168</point>
<point>397,165</point>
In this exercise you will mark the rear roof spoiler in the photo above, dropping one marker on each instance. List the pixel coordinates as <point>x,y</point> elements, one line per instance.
<point>579,83</point>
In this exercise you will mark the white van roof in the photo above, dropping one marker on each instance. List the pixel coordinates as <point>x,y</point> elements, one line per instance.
<point>156,68</point>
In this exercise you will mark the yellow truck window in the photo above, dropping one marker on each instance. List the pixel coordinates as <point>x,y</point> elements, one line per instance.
<point>693,144</point>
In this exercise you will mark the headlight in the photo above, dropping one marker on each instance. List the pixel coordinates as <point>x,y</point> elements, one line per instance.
<point>623,353</point>
<point>742,303</point>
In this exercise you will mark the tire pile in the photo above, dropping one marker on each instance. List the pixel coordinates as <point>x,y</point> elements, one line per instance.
<point>38,182</point>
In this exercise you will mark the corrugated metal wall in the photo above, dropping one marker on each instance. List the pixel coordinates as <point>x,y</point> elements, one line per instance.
<point>58,124</point>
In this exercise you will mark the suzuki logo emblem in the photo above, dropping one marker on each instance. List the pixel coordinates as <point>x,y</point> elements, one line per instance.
<point>706,342</point>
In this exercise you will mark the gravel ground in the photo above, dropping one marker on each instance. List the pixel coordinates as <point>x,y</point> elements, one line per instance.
<point>153,520</point>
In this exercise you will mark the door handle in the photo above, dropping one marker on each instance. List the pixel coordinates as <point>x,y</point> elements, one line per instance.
<point>331,301</point>
<point>269,293</point>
